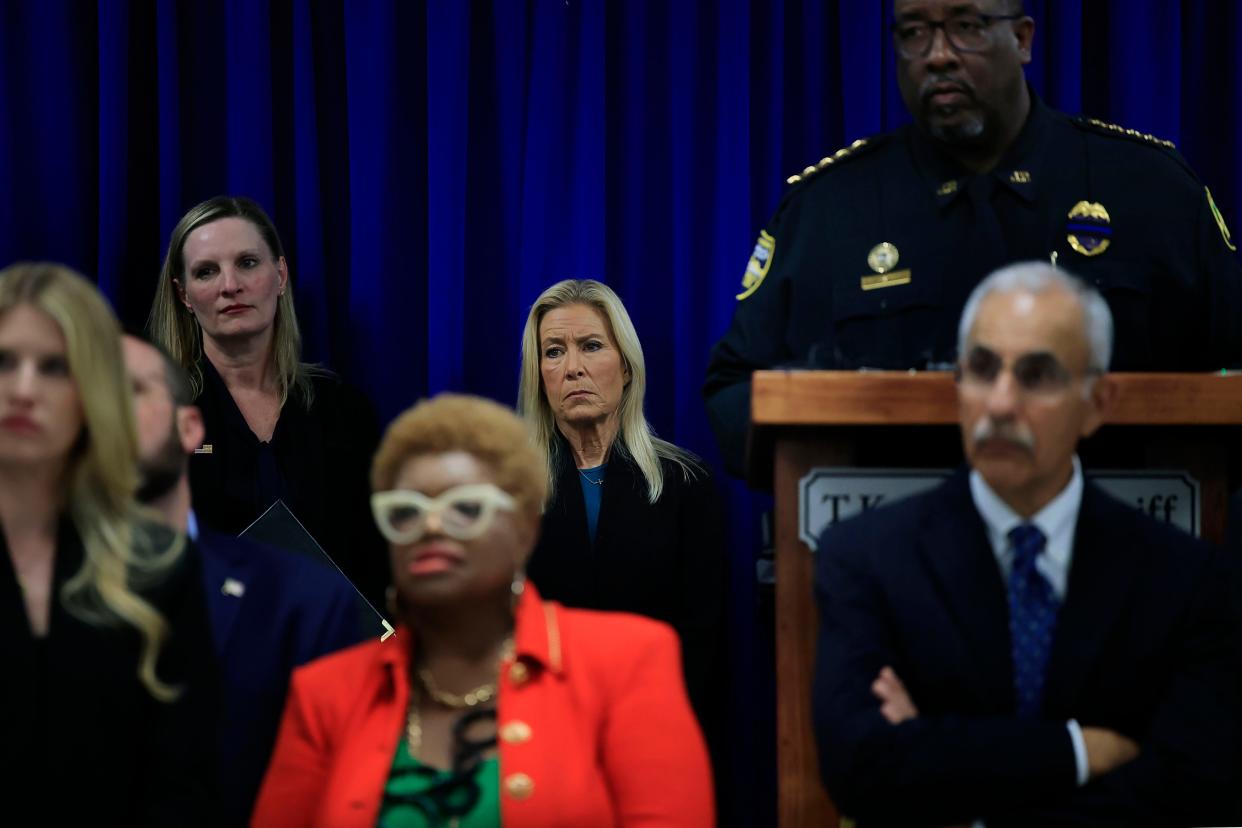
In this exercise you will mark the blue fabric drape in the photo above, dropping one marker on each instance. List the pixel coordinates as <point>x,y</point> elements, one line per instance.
<point>433,166</point>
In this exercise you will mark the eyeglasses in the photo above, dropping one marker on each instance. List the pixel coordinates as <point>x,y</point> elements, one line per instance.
<point>464,512</point>
<point>965,33</point>
<point>1038,374</point>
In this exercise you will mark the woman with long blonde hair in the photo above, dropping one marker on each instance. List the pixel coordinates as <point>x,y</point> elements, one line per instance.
<point>632,522</point>
<point>103,629</point>
<point>277,428</point>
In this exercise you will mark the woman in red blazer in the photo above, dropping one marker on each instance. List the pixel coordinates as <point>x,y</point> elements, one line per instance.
<point>489,706</point>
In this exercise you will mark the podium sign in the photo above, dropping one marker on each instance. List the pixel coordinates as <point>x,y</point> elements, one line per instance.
<point>1168,496</point>
<point>829,495</point>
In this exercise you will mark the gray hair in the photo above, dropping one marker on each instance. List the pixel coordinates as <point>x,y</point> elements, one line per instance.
<point>1038,277</point>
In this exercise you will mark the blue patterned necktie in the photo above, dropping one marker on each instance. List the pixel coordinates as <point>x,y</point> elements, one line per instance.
<point>1032,617</point>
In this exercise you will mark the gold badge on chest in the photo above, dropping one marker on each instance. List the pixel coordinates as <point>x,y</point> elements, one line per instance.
<point>882,259</point>
<point>1088,228</point>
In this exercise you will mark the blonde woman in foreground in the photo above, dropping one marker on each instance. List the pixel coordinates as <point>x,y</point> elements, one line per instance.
<point>107,698</point>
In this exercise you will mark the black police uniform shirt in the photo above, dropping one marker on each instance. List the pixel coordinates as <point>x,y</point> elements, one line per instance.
<point>872,254</point>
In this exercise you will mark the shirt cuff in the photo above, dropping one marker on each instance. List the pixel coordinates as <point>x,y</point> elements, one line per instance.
<point>1080,751</point>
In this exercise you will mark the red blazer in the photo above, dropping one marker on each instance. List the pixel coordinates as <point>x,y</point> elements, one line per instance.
<point>593,725</point>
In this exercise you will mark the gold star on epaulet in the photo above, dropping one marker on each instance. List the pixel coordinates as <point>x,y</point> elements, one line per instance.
<point>827,161</point>
<point>1146,138</point>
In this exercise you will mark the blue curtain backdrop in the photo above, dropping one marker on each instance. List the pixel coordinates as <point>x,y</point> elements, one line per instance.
<point>433,165</point>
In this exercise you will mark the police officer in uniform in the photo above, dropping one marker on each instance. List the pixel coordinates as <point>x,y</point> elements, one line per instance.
<point>873,251</point>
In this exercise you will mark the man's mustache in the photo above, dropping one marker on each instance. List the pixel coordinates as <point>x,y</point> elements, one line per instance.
<point>988,430</point>
<point>944,83</point>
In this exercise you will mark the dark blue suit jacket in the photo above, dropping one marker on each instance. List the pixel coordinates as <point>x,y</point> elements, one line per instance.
<point>1142,646</point>
<point>291,611</point>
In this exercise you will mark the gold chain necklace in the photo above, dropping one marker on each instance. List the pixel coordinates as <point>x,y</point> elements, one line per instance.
<point>479,695</point>
<point>414,726</point>
<point>414,737</point>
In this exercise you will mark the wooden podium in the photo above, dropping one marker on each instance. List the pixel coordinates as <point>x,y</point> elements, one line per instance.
<point>806,419</point>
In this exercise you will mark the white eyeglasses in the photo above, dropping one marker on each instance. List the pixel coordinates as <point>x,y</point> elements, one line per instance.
<point>464,512</point>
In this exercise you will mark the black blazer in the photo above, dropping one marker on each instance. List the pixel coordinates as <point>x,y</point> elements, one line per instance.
<point>321,464</point>
<point>291,610</point>
<point>665,560</point>
<point>1142,646</point>
<point>83,738</point>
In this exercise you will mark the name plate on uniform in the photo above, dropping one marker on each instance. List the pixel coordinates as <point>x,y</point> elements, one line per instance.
<point>828,495</point>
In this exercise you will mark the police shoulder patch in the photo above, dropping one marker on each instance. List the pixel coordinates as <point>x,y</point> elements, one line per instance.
<point>759,264</point>
<point>837,157</point>
<point>1220,221</point>
<point>1106,128</point>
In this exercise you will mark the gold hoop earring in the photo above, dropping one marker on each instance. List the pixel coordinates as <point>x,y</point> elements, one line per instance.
<point>517,588</point>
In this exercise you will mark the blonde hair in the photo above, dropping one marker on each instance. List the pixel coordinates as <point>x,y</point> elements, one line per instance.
<point>635,436</point>
<point>101,471</point>
<point>488,431</point>
<point>179,333</point>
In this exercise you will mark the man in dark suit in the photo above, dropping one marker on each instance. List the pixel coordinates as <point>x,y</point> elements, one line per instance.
<point>270,610</point>
<point>1015,646</point>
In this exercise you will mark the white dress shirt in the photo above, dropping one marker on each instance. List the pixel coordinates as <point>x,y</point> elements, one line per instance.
<point>1058,521</point>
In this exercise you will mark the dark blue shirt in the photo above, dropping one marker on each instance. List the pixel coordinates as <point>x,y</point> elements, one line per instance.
<point>592,481</point>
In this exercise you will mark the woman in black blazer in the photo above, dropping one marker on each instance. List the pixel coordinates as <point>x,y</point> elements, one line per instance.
<point>632,522</point>
<point>107,702</point>
<point>277,428</point>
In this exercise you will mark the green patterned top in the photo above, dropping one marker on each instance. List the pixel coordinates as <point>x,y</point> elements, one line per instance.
<point>420,796</point>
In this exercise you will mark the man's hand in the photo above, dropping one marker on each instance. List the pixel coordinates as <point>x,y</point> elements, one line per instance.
<point>895,703</point>
<point>1106,750</point>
